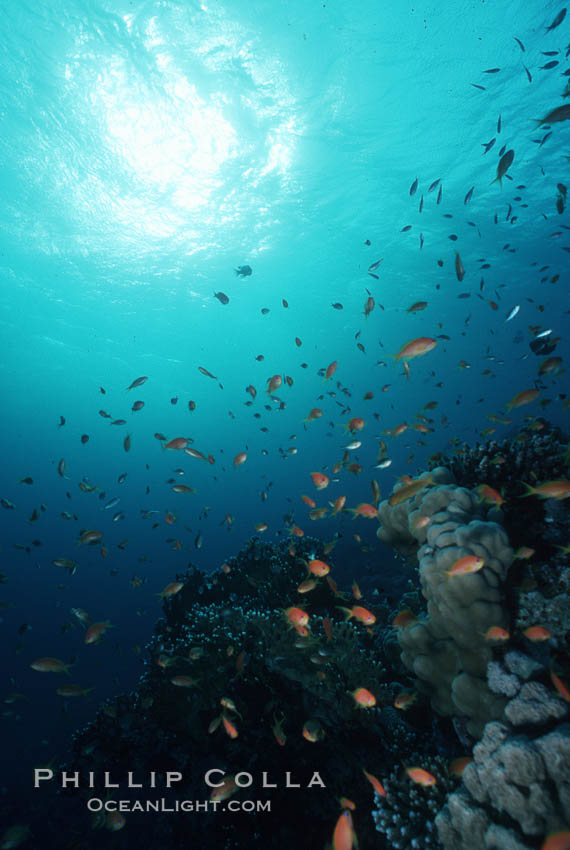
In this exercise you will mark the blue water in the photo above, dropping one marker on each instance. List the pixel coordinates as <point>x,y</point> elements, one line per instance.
<point>147,150</point>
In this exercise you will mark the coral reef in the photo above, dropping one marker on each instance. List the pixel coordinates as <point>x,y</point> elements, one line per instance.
<point>448,650</point>
<point>515,791</point>
<point>406,815</point>
<point>230,683</point>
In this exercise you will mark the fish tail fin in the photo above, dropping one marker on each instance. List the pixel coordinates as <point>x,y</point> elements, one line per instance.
<point>346,611</point>
<point>497,179</point>
<point>530,490</point>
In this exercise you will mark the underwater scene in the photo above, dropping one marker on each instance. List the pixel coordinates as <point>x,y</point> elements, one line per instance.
<point>284,499</point>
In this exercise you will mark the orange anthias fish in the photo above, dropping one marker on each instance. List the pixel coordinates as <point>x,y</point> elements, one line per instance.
<point>177,443</point>
<point>458,765</point>
<point>488,495</point>
<point>320,480</point>
<point>318,568</point>
<point>523,553</point>
<point>524,397</point>
<point>277,730</point>
<point>408,490</point>
<point>560,686</point>
<point>364,510</point>
<point>496,633</point>
<point>416,348</point>
<point>363,698</point>
<point>331,369</point>
<point>421,776</point>
<point>95,631</point>
<point>404,701</point>
<point>376,784</point>
<point>404,618</point>
<point>50,665</point>
<point>355,424</point>
<point>171,589</point>
<point>344,837</point>
<point>296,616</point>
<point>557,841</point>
<point>328,629</point>
<point>537,634</point>
<point>360,613</point>
<point>338,505</point>
<point>230,727</point>
<point>225,789</point>
<point>307,585</point>
<point>274,383</point>
<point>550,490</point>
<point>240,458</point>
<point>308,501</point>
<point>315,413</point>
<point>465,566</point>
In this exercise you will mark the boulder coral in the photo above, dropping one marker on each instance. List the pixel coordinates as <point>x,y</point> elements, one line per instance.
<point>449,649</point>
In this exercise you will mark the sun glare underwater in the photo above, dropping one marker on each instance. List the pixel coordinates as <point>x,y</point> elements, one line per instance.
<point>285,483</point>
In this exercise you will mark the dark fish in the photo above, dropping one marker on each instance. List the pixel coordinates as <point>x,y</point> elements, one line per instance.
<point>160,437</point>
<point>505,163</point>
<point>548,65</point>
<point>501,152</point>
<point>519,42</point>
<point>104,414</point>
<point>475,86</point>
<point>138,405</point>
<point>119,422</point>
<point>557,20</point>
<point>243,271</point>
<point>550,52</point>
<point>127,443</point>
<point>284,302</point>
<point>469,195</point>
<point>459,270</point>
<point>464,295</point>
<point>222,297</point>
<point>492,71</point>
<point>138,382</point>
<point>102,390</point>
<point>439,195</point>
<point>413,187</point>
<point>375,276</point>
<point>264,311</point>
<point>421,241</point>
<point>84,438</point>
<point>453,237</point>
<point>499,125</point>
<point>191,405</point>
<point>528,74</point>
<point>259,358</point>
<point>337,305</point>
<point>61,422</point>
<point>434,185</point>
<point>122,478</point>
<point>374,266</point>
<point>488,146</point>
<point>561,113</point>
<point>198,541</point>
<point>367,242</point>
<point>406,228</point>
<point>421,203</point>
<point>206,373</point>
<point>174,400</point>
